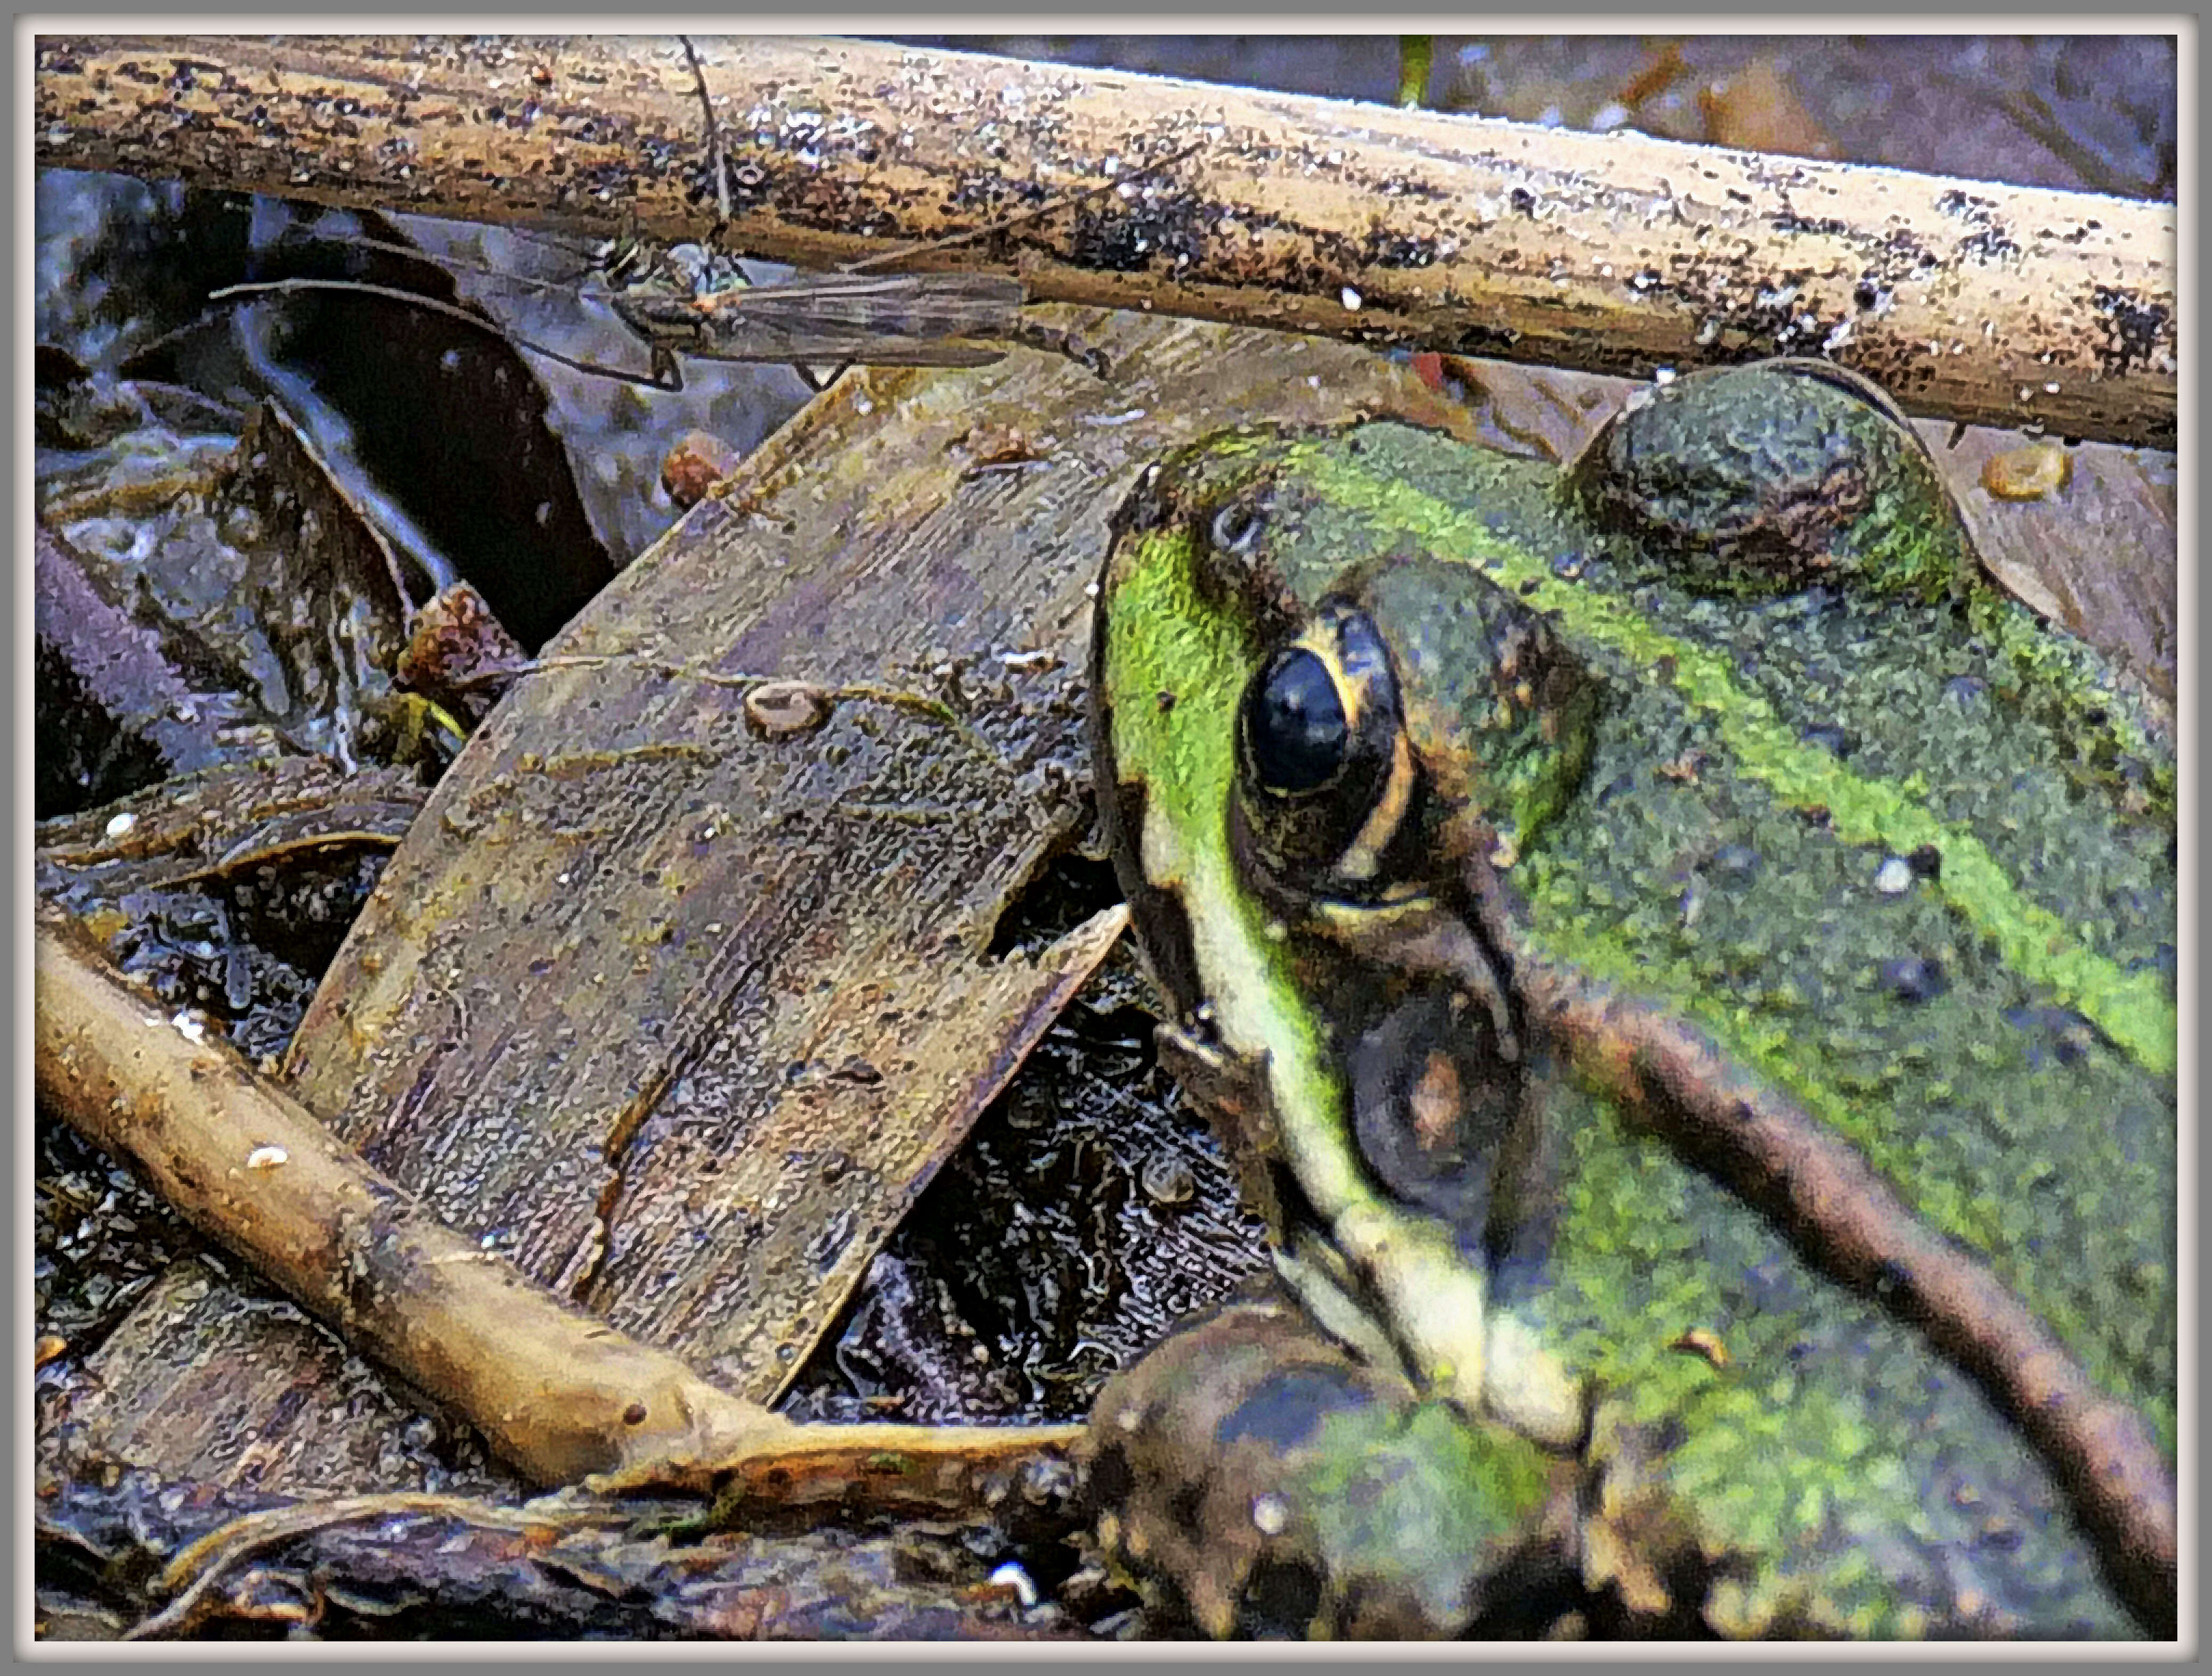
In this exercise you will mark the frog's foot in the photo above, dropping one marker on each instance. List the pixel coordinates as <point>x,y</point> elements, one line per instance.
<point>1254,1479</point>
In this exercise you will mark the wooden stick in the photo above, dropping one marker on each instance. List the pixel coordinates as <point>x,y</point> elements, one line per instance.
<point>1616,253</point>
<point>557,1393</point>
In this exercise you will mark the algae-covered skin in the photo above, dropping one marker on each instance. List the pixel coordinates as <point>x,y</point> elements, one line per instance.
<point>1410,751</point>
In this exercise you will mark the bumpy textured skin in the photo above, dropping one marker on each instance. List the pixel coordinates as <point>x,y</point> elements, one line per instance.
<point>1273,1486</point>
<point>1994,1029</point>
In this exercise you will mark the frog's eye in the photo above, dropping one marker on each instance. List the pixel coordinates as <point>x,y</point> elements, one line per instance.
<point>1294,725</point>
<point>1324,776</point>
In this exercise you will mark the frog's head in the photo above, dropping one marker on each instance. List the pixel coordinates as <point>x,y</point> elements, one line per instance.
<point>1312,763</point>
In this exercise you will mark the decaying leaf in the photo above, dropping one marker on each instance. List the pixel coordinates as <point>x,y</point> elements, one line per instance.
<point>678,1019</point>
<point>554,1391</point>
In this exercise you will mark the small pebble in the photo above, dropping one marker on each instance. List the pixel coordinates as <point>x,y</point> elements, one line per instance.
<point>779,709</point>
<point>2035,472</point>
<point>1167,1180</point>
<point>121,824</point>
<point>1011,1576</point>
<point>692,468</point>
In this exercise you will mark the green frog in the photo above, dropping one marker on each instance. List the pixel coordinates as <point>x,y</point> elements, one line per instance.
<point>1686,969</point>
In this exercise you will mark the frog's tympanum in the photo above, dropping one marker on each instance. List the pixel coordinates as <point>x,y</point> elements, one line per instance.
<point>1687,971</point>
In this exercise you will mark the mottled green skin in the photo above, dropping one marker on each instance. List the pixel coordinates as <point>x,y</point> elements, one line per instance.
<point>1316,1467</point>
<point>1708,854</point>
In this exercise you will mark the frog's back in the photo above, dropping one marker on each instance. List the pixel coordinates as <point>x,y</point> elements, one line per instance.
<point>1908,856</point>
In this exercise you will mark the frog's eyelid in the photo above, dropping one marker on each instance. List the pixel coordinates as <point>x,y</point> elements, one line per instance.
<point>1850,380</point>
<point>1363,856</point>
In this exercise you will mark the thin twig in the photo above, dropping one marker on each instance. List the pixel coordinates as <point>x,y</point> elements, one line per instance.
<point>714,137</point>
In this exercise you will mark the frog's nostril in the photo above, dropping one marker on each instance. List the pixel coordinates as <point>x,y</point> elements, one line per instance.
<point>1237,527</point>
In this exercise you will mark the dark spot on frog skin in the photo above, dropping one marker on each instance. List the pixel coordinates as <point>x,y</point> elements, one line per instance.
<point>1286,1409</point>
<point>1914,980</point>
<point>1830,738</point>
<point>1734,864</point>
<point>1621,785</point>
<point>2055,1034</point>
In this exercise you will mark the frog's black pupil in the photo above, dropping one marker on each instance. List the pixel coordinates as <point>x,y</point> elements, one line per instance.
<point>1294,723</point>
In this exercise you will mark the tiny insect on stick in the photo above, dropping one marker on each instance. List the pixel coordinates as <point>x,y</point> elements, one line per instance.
<point>680,307</point>
<point>853,317</point>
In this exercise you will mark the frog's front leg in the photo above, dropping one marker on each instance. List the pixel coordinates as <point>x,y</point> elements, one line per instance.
<point>1253,1477</point>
